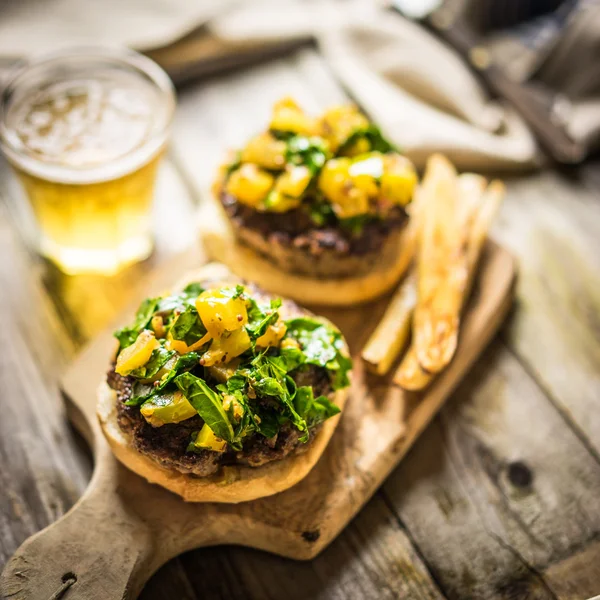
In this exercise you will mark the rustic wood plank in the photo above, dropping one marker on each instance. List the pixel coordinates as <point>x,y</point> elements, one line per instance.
<point>498,488</point>
<point>372,559</point>
<point>550,222</point>
<point>243,101</point>
<point>44,468</point>
<point>577,576</point>
<point>389,562</point>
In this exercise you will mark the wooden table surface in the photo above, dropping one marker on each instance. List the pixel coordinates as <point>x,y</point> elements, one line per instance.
<point>499,498</point>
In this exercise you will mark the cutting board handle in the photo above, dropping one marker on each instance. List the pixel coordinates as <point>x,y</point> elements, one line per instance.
<point>100,550</point>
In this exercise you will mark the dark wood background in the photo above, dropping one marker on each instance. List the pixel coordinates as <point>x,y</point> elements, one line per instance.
<point>499,498</point>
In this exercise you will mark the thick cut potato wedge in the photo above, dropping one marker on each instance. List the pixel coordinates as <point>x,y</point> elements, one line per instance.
<point>442,267</point>
<point>477,209</point>
<point>390,336</point>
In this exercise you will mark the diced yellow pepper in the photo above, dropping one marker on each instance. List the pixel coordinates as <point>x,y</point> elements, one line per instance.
<point>346,198</point>
<point>220,312</point>
<point>208,440</point>
<point>250,184</point>
<point>170,408</point>
<point>226,347</point>
<point>182,348</point>
<point>339,122</point>
<point>365,171</point>
<point>272,336</point>
<point>288,190</point>
<point>294,181</point>
<point>399,179</point>
<point>223,371</point>
<point>138,354</point>
<point>266,151</point>
<point>289,117</point>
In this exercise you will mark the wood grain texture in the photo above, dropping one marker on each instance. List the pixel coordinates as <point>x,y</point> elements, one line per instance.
<point>43,468</point>
<point>138,526</point>
<point>484,490</point>
<point>50,315</point>
<point>552,224</point>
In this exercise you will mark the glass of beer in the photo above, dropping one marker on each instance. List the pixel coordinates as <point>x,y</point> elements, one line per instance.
<point>84,131</point>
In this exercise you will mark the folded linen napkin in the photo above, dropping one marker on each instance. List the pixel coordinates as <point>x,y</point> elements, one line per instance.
<point>416,88</point>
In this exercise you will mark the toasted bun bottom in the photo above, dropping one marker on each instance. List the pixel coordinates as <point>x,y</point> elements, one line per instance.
<point>221,244</point>
<point>235,483</point>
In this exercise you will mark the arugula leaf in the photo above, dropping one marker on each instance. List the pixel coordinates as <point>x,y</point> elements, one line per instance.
<point>182,300</point>
<point>188,326</point>
<point>260,318</point>
<point>143,316</point>
<point>265,376</point>
<point>322,346</point>
<point>159,357</point>
<point>314,410</point>
<point>208,404</point>
<point>269,423</point>
<point>322,408</point>
<point>144,391</point>
<point>311,152</point>
<point>373,135</point>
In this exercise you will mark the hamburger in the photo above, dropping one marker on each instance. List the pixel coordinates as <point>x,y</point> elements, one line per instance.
<point>222,393</point>
<point>317,208</point>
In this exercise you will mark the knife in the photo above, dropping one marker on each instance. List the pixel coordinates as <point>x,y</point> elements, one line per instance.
<point>535,103</point>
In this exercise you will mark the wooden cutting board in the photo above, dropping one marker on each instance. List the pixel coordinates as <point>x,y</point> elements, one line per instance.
<point>123,528</point>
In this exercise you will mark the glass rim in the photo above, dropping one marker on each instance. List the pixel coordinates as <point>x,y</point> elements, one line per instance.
<point>118,55</point>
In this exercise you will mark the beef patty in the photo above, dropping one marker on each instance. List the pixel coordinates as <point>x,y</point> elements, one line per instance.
<point>294,243</point>
<point>167,445</point>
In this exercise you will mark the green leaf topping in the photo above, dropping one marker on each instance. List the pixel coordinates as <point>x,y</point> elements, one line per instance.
<point>143,316</point>
<point>187,326</point>
<point>260,394</point>
<point>208,403</point>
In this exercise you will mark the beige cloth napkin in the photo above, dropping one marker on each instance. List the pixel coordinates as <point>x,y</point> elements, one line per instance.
<point>417,89</point>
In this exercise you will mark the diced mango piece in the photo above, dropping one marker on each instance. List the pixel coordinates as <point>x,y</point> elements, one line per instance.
<point>249,184</point>
<point>399,179</point>
<point>219,312</point>
<point>208,440</point>
<point>346,199</point>
<point>226,347</point>
<point>339,122</point>
<point>289,117</point>
<point>272,336</point>
<point>136,355</point>
<point>294,181</point>
<point>167,408</point>
<point>266,151</point>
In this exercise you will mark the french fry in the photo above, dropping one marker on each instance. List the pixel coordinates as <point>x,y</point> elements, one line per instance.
<point>442,267</point>
<point>410,375</point>
<point>482,221</point>
<point>484,204</point>
<point>393,330</point>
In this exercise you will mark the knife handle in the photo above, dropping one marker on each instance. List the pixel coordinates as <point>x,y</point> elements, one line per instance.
<point>534,105</point>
